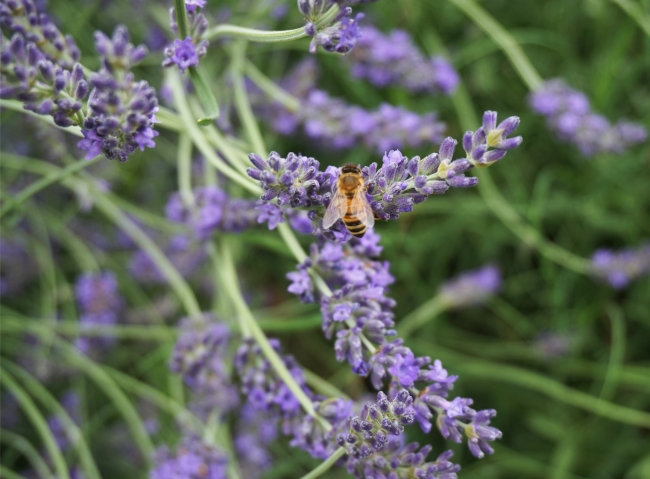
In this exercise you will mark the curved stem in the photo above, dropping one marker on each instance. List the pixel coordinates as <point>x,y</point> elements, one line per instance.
<point>46,181</point>
<point>635,11</point>
<point>231,281</point>
<point>616,356</point>
<point>502,37</point>
<point>325,465</point>
<point>185,169</point>
<point>271,88</point>
<point>199,139</point>
<point>38,422</point>
<point>28,450</point>
<point>263,36</point>
<point>72,430</point>
<point>241,100</point>
<point>420,316</point>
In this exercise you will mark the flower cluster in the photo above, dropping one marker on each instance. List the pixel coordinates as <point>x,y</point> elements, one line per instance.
<point>193,458</point>
<point>24,18</point>
<point>212,211</point>
<point>359,313</point>
<point>393,59</point>
<point>186,52</point>
<point>394,187</point>
<point>568,114</point>
<point>121,111</point>
<point>340,35</point>
<point>38,65</point>
<point>340,125</point>
<point>100,304</point>
<point>471,288</point>
<point>618,268</point>
<point>199,356</point>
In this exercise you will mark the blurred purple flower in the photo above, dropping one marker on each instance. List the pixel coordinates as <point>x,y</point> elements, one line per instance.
<point>471,288</point>
<point>618,268</point>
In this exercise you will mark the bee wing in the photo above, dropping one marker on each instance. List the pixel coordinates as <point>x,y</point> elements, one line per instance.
<point>336,209</point>
<point>360,207</point>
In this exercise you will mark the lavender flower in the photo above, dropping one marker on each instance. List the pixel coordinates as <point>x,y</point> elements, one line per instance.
<point>186,53</point>
<point>100,304</point>
<point>24,18</point>
<point>340,125</point>
<point>471,288</point>
<point>200,357</point>
<point>618,268</point>
<point>38,65</point>
<point>193,459</point>
<point>394,187</point>
<point>359,313</point>
<point>401,461</point>
<point>394,59</point>
<point>121,111</point>
<point>213,211</point>
<point>568,114</point>
<point>369,432</point>
<point>340,35</point>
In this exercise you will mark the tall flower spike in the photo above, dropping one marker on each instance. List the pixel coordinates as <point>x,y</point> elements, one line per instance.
<point>471,288</point>
<point>339,36</point>
<point>393,59</point>
<point>100,304</point>
<point>121,111</point>
<point>213,211</point>
<point>568,114</point>
<point>24,18</point>
<point>186,52</point>
<point>618,268</point>
<point>339,125</point>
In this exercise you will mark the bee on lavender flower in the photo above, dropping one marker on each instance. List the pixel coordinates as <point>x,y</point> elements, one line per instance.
<point>350,203</point>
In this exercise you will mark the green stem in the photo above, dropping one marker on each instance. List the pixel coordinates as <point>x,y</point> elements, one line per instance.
<point>171,274</point>
<point>9,474</point>
<point>181,18</point>
<point>208,102</point>
<point>529,235</point>
<point>617,354</point>
<point>231,281</point>
<point>199,139</point>
<point>502,37</point>
<point>18,106</point>
<point>325,465</point>
<point>545,386</point>
<point>46,181</point>
<point>254,35</point>
<point>420,316</point>
<point>72,430</point>
<point>323,386</point>
<point>241,99</point>
<point>635,11</point>
<point>111,389</point>
<point>271,88</point>
<point>500,206</point>
<point>38,422</point>
<point>185,169</point>
<point>25,447</point>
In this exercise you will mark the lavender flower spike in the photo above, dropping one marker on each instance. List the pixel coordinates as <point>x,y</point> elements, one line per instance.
<point>193,458</point>
<point>339,36</point>
<point>568,114</point>
<point>186,52</point>
<point>394,59</point>
<point>618,268</point>
<point>478,144</point>
<point>121,111</point>
<point>471,288</point>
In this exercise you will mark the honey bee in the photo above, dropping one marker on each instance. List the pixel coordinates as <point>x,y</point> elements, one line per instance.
<point>350,203</point>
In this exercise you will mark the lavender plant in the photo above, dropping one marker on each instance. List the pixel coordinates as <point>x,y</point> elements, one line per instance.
<point>161,318</point>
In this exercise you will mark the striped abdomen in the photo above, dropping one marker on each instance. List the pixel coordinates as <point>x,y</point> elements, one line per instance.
<point>351,218</point>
